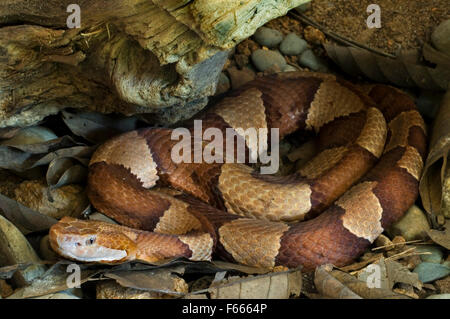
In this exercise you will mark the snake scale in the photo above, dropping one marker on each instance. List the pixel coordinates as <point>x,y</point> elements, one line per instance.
<point>371,145</point>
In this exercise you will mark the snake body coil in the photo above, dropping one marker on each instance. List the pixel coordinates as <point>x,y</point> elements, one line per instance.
<point>371,147</point>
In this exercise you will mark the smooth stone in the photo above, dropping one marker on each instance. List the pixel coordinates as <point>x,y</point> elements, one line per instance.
<point>15,249</point>
<point>441,37</point>
<point>429,272</point>
<point>265,59</point>
<point>268,37</point>
<point>290,68</point>
<point>413,225</point>
<point>439,296</point>
<point>292,44</point>
<point>436,253</point>
<point>309,60</point>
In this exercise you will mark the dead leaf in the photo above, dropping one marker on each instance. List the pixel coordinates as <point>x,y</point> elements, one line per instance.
<point>400,71</point>
<point>163,280</point>
<point>24,218</point>
<point>391,273</point>
<point>330,287</point>
<point>54,280</point>
<point>239,267</point>
<point>275,285</point>
<point>20,158</point>
<point>431,183</point>
<point>441,238</point>
<point>65,170</point>
<point>8,271</point>
<point>435,56</point>
<point>340,285</point>
<point>96,127</point>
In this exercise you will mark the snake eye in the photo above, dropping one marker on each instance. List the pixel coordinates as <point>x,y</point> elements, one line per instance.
<point>90,241</point>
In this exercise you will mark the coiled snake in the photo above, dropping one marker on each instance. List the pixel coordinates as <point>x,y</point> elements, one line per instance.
<point>371,145</point>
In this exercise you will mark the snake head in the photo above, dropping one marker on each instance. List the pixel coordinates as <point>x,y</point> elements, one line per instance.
<point>92,241</point>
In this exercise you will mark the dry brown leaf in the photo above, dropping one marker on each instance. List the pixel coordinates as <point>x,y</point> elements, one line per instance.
<point>54,280</point>
<point>24,218</point>
<point>96,127</point>
<point>391,273</point>
<point>431,183</point>
<point>162,280</point>
<point>401,71</point>
<point>242,268</point>
<point>275,285</point>
<point>329,286</point>
<point>340,285</point>
<point>361,264</point>
<point>7,272</point>
<point>441,238</point>
<point>435,56</point>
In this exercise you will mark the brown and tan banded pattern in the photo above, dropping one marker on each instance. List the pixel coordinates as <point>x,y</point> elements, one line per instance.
<point>370,145</point>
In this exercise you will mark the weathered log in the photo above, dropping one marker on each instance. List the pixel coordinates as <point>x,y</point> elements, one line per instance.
<point>140,56</point>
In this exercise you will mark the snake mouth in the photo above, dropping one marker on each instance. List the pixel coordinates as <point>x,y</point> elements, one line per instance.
<point>86,248</point>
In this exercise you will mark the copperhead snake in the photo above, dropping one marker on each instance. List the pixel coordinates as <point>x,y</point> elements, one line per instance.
<point>371,146</point>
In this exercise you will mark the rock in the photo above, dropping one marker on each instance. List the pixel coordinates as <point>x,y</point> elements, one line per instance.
<point>265,59</point>
<point>68,200</point>
<point>224,84</point>
<point>45,251</point>
<point>429,272</point>
<point>309,60</point>
<point>15,249</point>
<point>441,37</point>
<point>435,253</point>
<point>290,68</point>
<point>439,296</point>
<point>240,77</point>
<point>292,44</point>
<point>268,37</point>
<point>413,225</point>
